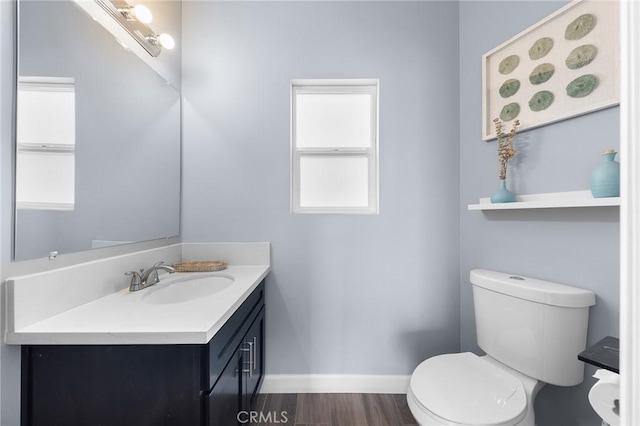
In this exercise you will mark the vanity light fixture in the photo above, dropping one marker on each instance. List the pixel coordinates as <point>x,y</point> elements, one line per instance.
<point>138,12</point>
<point>164,40</point>
<point>134,20</point>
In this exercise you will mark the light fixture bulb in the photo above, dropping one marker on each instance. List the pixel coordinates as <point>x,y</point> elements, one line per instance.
<point>166,41</point>
<point>142,14</point>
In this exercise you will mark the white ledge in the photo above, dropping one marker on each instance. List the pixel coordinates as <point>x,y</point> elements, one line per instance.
<point>555,200</point>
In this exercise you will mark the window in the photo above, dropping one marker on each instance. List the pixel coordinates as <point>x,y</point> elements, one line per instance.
<point>45,154</point>
<point>334,146</point>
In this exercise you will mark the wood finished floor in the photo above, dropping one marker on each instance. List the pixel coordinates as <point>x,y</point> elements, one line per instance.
<point>334,409</point>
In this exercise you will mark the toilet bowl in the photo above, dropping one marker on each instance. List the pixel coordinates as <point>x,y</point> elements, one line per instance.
<point>531,331</point>
<point>465,389</point>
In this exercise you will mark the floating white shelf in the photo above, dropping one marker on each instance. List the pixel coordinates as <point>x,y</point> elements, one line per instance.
<point>556,200</point>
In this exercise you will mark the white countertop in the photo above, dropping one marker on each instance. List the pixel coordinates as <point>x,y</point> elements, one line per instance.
<point>123,318</point>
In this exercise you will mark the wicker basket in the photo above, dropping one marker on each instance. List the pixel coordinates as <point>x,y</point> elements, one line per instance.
<point>201,266</point>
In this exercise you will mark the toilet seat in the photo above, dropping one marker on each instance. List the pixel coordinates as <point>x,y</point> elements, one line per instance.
<point>464,389</point>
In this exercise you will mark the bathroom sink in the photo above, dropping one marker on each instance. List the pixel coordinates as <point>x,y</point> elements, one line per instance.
<point>187,288</point>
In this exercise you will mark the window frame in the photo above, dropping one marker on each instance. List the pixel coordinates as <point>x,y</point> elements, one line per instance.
<point>45,84</point>
<point>336,86</point>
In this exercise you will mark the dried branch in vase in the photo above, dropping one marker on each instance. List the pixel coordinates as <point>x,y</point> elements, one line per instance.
<point>505,145</point>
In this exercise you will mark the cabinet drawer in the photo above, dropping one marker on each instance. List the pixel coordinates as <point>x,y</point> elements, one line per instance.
<point>224,344</point>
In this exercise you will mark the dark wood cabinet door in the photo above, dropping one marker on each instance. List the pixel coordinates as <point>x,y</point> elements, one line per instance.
<point>223,404</point>
<point>254,340</point>
<point>227,340</point>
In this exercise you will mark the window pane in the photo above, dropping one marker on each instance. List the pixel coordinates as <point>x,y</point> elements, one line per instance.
<point>334,181</point>
<point>46,117</point>
<point>44,177</point>
<point>337,120</point>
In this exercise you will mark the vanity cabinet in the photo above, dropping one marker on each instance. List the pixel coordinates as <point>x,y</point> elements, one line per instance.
<point>151,385</point>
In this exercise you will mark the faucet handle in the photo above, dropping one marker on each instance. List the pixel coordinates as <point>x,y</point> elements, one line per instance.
<point>153,277</point>
<point>136,280</point>
<point>135,275</point>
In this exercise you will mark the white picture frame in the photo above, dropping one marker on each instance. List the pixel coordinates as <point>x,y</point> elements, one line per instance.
<point>592,50</point>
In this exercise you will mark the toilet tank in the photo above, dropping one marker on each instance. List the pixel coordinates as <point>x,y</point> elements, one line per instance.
<point>535,327</point>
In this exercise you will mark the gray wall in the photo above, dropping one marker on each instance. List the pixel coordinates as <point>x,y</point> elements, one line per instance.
<point>359,294</point>
<point>571,246</point>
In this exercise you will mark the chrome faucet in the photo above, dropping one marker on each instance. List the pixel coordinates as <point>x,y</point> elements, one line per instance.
<point>144,279</point>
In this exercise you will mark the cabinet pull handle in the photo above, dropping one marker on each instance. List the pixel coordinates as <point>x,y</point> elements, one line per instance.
<point>250,350</point>
<point>255,353</point>
<point>248,370</point>
<point>252,359</point>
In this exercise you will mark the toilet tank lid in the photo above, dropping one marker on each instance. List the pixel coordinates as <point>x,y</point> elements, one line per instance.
<point>546,292</point>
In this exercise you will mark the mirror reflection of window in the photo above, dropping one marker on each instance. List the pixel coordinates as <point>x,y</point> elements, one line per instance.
<point>45,155</point>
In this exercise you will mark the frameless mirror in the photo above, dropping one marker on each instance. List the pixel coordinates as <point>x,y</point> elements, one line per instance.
<point>97,138</point>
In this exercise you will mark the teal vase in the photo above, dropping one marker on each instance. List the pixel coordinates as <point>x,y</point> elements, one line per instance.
<point>503,195</point>
<point>605,179</point>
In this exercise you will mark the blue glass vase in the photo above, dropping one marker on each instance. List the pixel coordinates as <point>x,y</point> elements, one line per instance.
<point>605,179</point>
<point>503,195</point>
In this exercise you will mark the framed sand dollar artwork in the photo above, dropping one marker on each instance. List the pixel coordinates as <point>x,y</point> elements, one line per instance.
<point>566,65</point>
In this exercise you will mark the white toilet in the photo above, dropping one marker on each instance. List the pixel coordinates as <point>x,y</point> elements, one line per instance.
<point>532,332</point>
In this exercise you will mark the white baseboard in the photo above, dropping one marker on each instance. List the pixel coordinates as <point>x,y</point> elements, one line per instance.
<point>334,383</point>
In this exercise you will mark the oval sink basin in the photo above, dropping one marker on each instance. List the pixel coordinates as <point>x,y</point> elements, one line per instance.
<point>186,289</point>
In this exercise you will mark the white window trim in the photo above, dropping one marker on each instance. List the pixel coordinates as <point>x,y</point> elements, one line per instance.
<point>332,86</point>
<point>29,205</point>
<point>50,84</point>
